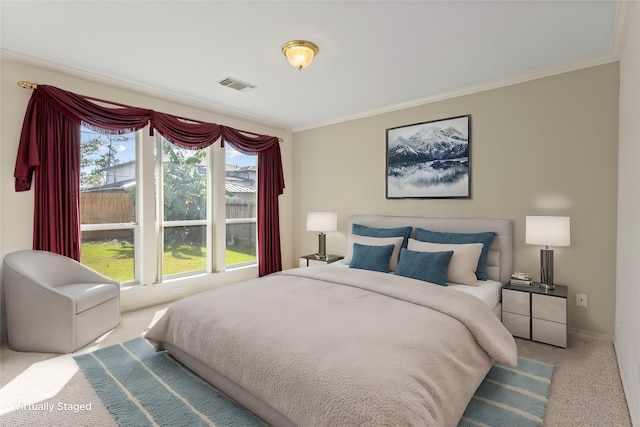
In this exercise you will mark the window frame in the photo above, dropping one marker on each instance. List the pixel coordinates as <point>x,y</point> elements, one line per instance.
<point>135,225</point>
<point>162,223</point>
<point>149,225</point>
<point>253,220</point>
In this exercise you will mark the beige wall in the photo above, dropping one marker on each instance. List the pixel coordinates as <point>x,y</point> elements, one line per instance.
<point>16,209</point>
<point>627,338</point>
<point>544,147</point>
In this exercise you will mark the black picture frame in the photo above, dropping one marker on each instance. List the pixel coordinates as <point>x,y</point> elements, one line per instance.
<point>429,160</point>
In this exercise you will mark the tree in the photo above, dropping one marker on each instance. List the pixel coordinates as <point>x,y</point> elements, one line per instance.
<point>90,176</point>
<point>93,164</point>
<point>185,191</point>
<point>185,185</point>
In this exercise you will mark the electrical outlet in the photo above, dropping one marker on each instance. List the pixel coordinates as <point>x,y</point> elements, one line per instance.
<point>581,300</point>
<point>177,291</point>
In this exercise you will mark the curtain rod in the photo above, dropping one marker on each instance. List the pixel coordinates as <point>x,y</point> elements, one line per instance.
<point>28,85</point>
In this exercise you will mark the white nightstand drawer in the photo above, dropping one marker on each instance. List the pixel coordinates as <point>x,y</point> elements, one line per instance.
<point>515,302</point>
<point>549,308</point>
<point>536,313</point>
<point>549,332</point>
<point>518,325</point>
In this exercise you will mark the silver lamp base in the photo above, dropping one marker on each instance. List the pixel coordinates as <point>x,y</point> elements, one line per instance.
<point>546,268</point>
<point>322,246</point>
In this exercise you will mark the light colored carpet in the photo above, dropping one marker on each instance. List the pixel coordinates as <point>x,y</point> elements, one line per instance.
<point>585,390</point>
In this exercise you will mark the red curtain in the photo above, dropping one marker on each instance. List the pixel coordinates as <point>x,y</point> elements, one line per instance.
<point>50,145</point>
<point>56,150</point>
<point>270,185</point>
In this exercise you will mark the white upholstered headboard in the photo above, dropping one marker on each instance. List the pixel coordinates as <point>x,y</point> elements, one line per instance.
<point>500,260</point>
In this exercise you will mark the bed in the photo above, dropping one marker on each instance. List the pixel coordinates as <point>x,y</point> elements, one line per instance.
<point>327,346</point>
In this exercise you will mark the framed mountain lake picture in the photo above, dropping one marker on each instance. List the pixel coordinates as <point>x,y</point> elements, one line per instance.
<point>430,160</point>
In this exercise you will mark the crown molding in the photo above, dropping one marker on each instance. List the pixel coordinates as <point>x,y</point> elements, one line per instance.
<point>135,87</point>
<point>623,18</point>
<point>475,88</point>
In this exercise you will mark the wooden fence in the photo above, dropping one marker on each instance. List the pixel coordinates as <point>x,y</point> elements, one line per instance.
<point>106,207</point>
<point>119,208</point>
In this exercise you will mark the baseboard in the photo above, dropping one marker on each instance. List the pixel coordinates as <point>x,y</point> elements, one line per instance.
<point>591,334</point>
<point>632,405</point>
<point>141,296</point>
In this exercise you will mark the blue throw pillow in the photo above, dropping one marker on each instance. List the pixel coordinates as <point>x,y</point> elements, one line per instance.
<point>486,238</point>
<point>363,230</point>
<point>427,266</point>
<point>375,258</point>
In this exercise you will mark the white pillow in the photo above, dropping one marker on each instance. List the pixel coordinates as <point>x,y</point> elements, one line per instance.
<point>462,268</point>
<point>375,241</point>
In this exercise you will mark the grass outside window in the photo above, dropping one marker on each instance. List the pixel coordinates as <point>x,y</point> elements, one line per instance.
<point>115,259</point>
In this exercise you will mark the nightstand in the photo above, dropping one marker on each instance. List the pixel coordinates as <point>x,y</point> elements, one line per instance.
<point>536,313</point>
<point>309,260</point>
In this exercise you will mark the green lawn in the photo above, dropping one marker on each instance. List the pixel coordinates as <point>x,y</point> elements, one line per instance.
<point>115,259</point>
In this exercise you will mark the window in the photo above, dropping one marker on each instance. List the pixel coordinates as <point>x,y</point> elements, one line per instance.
<point>185,222</point>
<point>107,203</point>
<point>145,226</point>
<point>241,206</point>
<point>147,207</point>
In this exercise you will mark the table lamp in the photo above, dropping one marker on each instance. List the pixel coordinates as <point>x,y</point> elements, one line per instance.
<point>547,231</point>
<point>322,221</point>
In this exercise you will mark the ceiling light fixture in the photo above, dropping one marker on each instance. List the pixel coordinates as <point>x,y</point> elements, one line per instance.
<point>300,53</point>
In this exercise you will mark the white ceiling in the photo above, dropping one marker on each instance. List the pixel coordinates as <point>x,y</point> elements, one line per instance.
<point>374,56</point>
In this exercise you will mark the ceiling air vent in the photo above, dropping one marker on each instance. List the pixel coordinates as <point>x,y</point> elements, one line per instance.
<point>236,84</point>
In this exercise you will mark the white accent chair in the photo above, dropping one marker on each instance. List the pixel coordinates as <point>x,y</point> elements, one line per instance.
<point>55,304</point>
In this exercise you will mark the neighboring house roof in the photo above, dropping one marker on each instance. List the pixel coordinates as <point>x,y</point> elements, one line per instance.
<point>229,167</point>
<point>120,165</point>
<point>120,185</point>
<point>235,188</point>
<point>230,187</point>
<point>233,184</point>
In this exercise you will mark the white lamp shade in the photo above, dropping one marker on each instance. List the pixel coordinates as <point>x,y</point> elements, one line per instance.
<point>322,221</point>
<point>548,230</point>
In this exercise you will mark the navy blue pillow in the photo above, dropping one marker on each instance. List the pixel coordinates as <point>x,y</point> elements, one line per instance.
<point>363,230</point>
<point>375,258</point>
<point>486,238</point>
<point>427,266</point>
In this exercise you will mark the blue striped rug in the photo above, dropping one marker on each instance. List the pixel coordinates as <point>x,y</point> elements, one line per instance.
<point>141,387</point>
<point>510,397</point>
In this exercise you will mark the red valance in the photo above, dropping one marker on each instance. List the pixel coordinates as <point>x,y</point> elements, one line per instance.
<point>50,115</point>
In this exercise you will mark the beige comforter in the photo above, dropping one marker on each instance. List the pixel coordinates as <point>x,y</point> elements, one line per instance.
<point>329,346</point>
